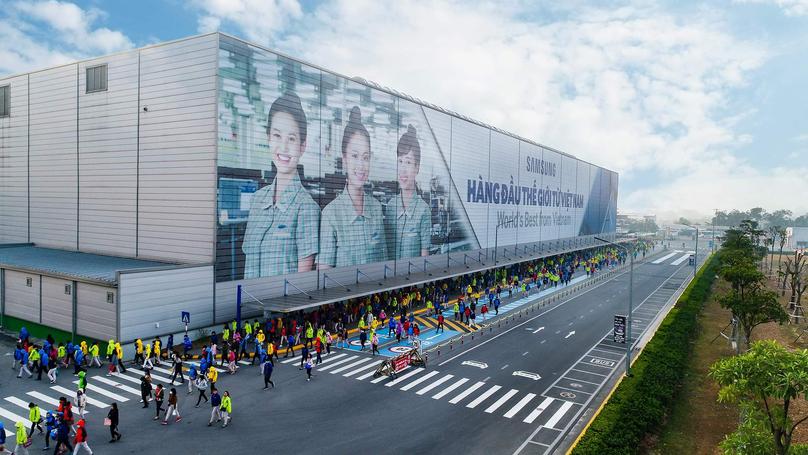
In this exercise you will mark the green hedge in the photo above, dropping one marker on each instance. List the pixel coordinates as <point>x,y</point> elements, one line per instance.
<point>640,402</point>
<point>40,331</point>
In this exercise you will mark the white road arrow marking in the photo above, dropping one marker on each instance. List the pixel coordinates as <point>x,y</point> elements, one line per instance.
<point>570,334</point>
<point>538,330</point>
<point>527,374</point>
<point>474,363</point>
<point>433,336</point>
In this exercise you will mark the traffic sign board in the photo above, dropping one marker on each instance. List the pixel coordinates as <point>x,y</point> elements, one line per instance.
<point>186,317</point>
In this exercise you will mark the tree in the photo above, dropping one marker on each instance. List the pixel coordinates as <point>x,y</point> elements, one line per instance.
<point>796,267</point>
<point>780,217</point>
<point>758,214</point>
<point>766,380</point>
<point>782,233</point>
<point>752,307</point>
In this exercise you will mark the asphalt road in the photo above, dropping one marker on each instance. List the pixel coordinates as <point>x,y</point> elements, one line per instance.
<point>519,388</point>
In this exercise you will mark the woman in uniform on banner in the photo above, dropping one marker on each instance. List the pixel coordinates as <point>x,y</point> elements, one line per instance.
<point>281,235</point>
<point>352,230</point>
<point>411,220</point>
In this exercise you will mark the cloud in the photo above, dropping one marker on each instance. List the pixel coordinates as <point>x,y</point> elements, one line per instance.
<point>789,7</point>
<point>635,89</point>
<point>68,35</point>
<point>260,20</point>
<point>801,138</point>
<point>74,25</point>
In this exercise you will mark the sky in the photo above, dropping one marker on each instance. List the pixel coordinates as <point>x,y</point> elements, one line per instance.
<point>698,106</point>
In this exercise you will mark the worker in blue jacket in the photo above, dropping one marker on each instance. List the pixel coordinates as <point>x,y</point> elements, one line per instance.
<point>79,355</point>
<point>24,364</point>
<point>186,346</point>
<point>268,375</point>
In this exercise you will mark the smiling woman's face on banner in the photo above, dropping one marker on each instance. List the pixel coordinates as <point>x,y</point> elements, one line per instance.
<point>357,160</point>
<point>285,144</point>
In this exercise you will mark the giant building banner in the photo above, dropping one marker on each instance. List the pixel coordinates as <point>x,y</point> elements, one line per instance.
<point>317,171</point>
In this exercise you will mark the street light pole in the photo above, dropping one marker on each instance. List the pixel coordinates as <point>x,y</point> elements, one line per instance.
<point>630,302</point>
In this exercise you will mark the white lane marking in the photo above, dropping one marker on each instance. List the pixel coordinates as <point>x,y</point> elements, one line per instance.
<point>419,380</point>
<point>92,388</point>
<point>362,368</point>
<point>518,407</point>
<point>681,259</point>
<point>449,389</point>
<point>117,385</point>
<point>434,384</point>
<point>501,401</point>
<point>483,397</point>
<point>665,258</point>
<point>401,379</point>
<point>70,393</point>
<point>46,399</point>
<point>382,378</point>
<point>297,358</point>
<point>366,375</point>
<point>538,330</point>
<point>570,334</point>
<point>333,364</point>
<point>532,416</point>
<point>14,418</point>
<point>466,392</point>
<point>558,415</point>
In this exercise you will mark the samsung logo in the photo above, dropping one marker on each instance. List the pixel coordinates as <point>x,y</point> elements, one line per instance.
<point>539,166</point>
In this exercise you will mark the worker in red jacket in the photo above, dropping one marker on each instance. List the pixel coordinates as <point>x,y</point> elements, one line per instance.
<point>81,438</point>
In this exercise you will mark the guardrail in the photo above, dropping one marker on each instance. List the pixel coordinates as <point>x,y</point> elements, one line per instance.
<point>511,317</point>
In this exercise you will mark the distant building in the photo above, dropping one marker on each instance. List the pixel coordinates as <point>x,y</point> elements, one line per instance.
<point>797,237</point>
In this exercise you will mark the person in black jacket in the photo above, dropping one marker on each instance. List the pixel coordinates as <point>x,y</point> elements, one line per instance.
<point>113,419</point>
<point>145,391</point>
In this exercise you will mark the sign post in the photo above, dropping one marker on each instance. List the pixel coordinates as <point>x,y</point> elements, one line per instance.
<point>619,328</point>
<point>186,318</point>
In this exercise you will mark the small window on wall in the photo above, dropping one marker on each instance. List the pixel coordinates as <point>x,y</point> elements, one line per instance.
<point>29,282</point>
<point>67,289</point>
<point>97,79</point>
<point>110,297</point>
<point>5,101</point>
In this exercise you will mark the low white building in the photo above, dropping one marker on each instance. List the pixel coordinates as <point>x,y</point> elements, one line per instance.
<point>797,237</point>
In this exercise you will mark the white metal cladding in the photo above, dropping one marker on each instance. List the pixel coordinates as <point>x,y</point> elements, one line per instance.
<point>95,317</point>
<point>57,307</point>
<point>177,196</point>
<point>53,164</point>
<point>161,296</point>
<point>14,164</point>
<point>21,301</point>
<point>108,159</point>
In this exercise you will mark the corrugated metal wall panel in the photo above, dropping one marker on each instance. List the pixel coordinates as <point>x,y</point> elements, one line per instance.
<point>161,297</point>
<point>14,164</point>
<point>57,307</point>
<point>108,159</point>
<point>53,163</point>
<point>177,151</point>
<point>21,301</point>
<point>95,317</point>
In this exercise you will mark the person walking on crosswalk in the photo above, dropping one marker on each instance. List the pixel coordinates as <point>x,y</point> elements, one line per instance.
<point>147,362</point>
<point>22,439</point>
<point>159,394</point>
<point>309,367</point>
<point>201,385</point>
<point>26,359</point>
<point>215,404</point>
<point>113,417</point>
<point>145,391</point>
<point>35,416</point>
<point>172,406</point>
<point>81,439</point>
<point>192,375</point>
<point>177,369</point>
<point>267,372</point>
<point>3,438</point>
<point>226,408</point>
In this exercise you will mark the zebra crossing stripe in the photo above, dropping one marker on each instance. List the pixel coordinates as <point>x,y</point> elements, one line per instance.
<point>483,397</point>
<point>449,389</point>
<point>558,415</point>
<point>14,418</point>
<point>350,365</point>
<point>95,389</point>
<point>69,393</point>
<point>501,401</point>
<point>533,415</point>
<point>401,379</point>
<point>466,392</point>
<point>419,380</point>
<point>290,360</point>
<point>434,384</point>
<point>118,386</point>
<point>362,368</point>
<point>518,407</point>
<point>333,364</point>
<point>367,375</point>
<point>46,399</point>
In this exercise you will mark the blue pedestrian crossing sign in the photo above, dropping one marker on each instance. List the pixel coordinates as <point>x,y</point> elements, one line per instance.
<point>186,317</point>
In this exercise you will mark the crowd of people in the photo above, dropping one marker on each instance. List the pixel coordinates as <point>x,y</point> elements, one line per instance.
<point>313,333</point>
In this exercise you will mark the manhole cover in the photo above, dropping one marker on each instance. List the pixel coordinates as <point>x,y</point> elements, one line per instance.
<point>567,395</point>
<point>576,385</point>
